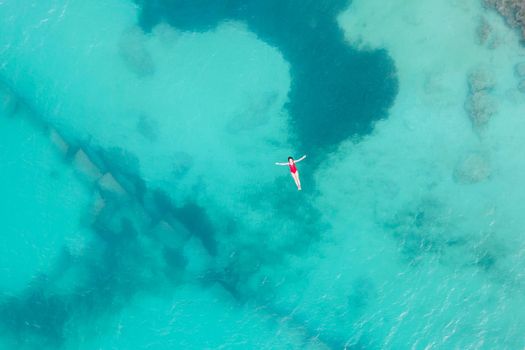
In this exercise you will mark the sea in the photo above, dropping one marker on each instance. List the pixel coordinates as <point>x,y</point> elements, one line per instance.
<point>141,206</point>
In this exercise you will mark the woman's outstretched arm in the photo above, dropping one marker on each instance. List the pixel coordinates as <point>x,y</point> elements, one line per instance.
<point>302,158</point>
<point>281,163</point>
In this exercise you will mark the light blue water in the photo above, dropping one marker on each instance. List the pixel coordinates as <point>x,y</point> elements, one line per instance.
<point>141,208</point>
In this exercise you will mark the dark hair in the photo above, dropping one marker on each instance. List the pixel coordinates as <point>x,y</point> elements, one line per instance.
<point>290,158</point>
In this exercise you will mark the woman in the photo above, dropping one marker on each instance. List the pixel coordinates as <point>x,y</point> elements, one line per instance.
<point>293,169</point>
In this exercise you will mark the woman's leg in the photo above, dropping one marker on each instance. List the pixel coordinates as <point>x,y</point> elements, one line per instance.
<point>296,179</point>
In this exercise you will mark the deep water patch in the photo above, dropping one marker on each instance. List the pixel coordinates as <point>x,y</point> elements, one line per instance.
<point>337,91</point>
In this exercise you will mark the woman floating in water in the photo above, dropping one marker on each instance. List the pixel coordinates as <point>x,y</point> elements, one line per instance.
<point>293,169</point>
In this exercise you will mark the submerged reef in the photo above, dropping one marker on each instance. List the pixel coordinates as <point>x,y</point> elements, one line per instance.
<point>480,105</point>
<point>486,36</point>
<point>483,31</point>
<point>423,229</point>
<point>512,10</point>
<point>471,169</point>
<point>430,230</point>
<point>480,80</point>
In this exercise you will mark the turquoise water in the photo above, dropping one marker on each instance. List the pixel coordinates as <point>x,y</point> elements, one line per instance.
<point>142,210</point>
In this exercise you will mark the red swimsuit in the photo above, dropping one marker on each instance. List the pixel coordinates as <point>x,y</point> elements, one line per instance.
<point>293,168</point>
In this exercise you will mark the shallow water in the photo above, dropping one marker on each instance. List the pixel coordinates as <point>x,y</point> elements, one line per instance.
<point>142,208</point>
